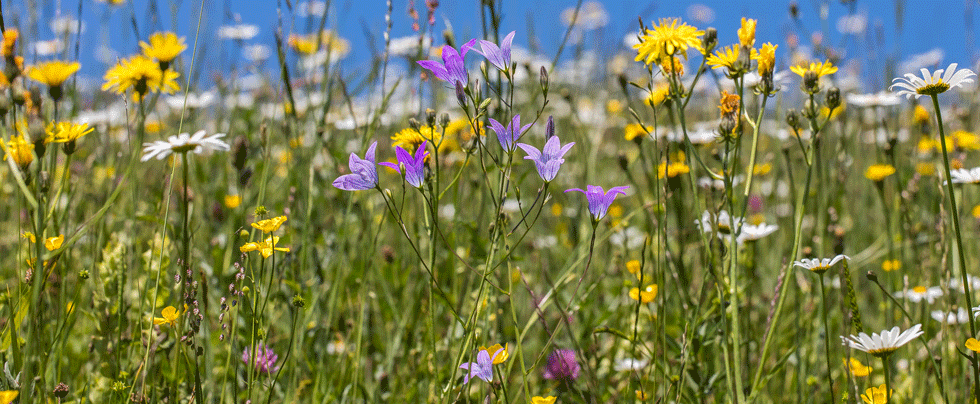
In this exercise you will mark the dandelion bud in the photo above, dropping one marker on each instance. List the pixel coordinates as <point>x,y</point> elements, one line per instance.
<point>549,129</point>
<point>299,301</point>
<point>430,117</point>
<point>414,123</point>
<point>544,80</point>
<point>444,120</point>
<point>4,104</point>
<point>833,98</point>
<point>44,180</point>
<point>261,211</point>
<point>17,91</point>
<point>872,277</point>
<point>744,60</point>
<point>727,126</point>
<point>794,10</point>
<point>811,82</point>
<point>709,40</point>
<point>793,119</point>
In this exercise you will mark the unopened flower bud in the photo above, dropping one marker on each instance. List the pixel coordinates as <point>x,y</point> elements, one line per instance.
<point>794,10</point>
<point>83,274</point>
<point>744,60</point>
<point>444,120</point>
<point>549,129</point>
<point>793,119</point>
<point>544,80</point>
<point>17,92</point>
<point>811,82</point>
<point>61,391</point>
<point>709,40</point>
<point>872,277</point>
<point>414,123</point>
<point>430,117</point>
<point>44,180</point>
<point>299,301</point>
<point>833,98</point>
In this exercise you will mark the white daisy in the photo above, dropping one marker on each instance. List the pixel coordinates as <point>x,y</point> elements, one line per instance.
<point>931,84</point>
<point>879,99</point>
<point>960,316</point>
<point>920,293</point>
<point>725,223</point>
<point>182,143</point>
<point>964,176</point>
<point>626,364</point>
<point>239,32</point>
<point>819,265</point>
<point>751,232</point>
<point>884,344</point>
<point>957,284</point>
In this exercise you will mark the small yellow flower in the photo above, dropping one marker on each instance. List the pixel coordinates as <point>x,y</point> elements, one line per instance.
<point>925,169</point>
<point>64,132</point>
<point>615,210</point>
<point>556,209</point>
<point>52,73</point>
<point>672,65</point>
<point>54,243</point>
<point>410,139</point>
<point>634,131</point>
<point>964,140</point>
<point>543,400</point>
<point>875,395</point>
<point>170,316</point>
<point>266,248</point>
<point>767,58</point>
<point>614,106</point>
<point>648,294</point>
<point>762,169</point>
<point>659,94</point>
<point>821,69</point>
<point>163,46</point>
<point>857,368</point>
<point>20,150</point>
<point>891,265</point>
<point>233,201</point>
<point>670,37</point>
<point>729,103</point>
<point>920,115</point>
<point>633,266</point>
<point>673,169</point>
<point>303,44</point>
<point>878,172</point>
<point>746,34</point>
<point>30,236</point>
<point>9,47</point>
<point>7,397</point>
<point>142,75</point>
<point>270,225</point>
<point>641,395</point>
<point>501,357</point>
<point>727,57</point>
<point>976,212</point>
<point>973,344</point>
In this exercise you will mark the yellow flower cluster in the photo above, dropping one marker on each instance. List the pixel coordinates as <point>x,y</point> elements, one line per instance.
<point>668,38</point>
<point>149,71</point>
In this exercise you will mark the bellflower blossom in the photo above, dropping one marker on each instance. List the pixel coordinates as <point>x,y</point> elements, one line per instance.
<point>414,166</point>
<point>452,69</point>
<point>507,136</point>
<point>482,368</point>
<point>498,56</point>
<point>599,200</point>
<point>364,173</point>
<point>549,159</point>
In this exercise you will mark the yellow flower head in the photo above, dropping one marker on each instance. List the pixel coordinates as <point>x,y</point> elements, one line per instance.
<point>878,172</point>
<point>266,248</point>
<point>920,115</point>
<point>762,169</point>
<point>965,140</point>
<point>891,265</point>
<point>170,316</point>
<point>671,65</point>
<point>673,169</point>
<point>973,345</point>
<point>54,243</point>
<point>746,34</point>
<point>646,295</point>
<point>729,103</point>
<point>925,169</point>
<point>670,37</point>
<point>163,46</point>
<point>142,75</point>
<point>233,201</point>
<point>821,69</point>
<point>975,212</point>
<point>7,397</point>
<point>875,395</point>
<point>634,131</point>
<point>543,400</point>
<point>724,57</point>
<point>64,132</point>
<point>20,150</point>
<point>767,58</point>
<point>9,47</point>
<point>28,235</point>
<point>493,349</point>
<point>825,111</point>
<point>659,94</point>
<point>270,225</point>
<point>52,73</point>
<point>633,266</point>
<point>303,44</point>
<point>641,395</point>
<point>857,368</point>
<point>410,139</point>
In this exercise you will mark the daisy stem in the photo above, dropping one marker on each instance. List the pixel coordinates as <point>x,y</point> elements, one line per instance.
<point>826,336</point>
<point>888,378</point>
<point>954,213</point>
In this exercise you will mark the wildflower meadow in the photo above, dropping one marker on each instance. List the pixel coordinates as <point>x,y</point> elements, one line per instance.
<point>682,214</point>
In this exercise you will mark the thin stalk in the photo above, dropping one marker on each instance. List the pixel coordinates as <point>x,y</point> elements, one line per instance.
<point>826,336</point>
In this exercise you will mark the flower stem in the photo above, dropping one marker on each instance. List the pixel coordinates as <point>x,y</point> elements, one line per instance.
<point>826,336</point>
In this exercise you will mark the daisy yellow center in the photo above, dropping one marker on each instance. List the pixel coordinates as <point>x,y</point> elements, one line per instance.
<point>938,87</point>
<point>919,289</point>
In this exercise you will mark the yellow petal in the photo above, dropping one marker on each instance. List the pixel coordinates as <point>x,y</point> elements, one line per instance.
<point>973,344</point>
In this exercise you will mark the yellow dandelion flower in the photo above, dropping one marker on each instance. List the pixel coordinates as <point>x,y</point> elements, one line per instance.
<point>746,34</point>
<point>670,37</point>
<point>821,69</point>
<point>52,73</point>
<point>672,65</point>
<point>64,132</point>
<point>878,172</point>
<point>233,201</point>
<point>672,170</point>
<point>303,44</point>
<point>140,74</point>
<point>729,103</point>
<point>633,266</point>
<point>163,46</point>
<point>170,316</point>
<point>767,58</point>
<point>920,115</point>
<point>9,47</point>
<point>614,106</point>
<point>727,57</point>
<point>875,395</point>
<point>543,400</point>
<point>762,169</point>
<point>54,243</point>
<point>634,131</point>
<point>857,368</point>
<point>647,295</point>
<point>659,94</point>
<point>270,225</point>
<point>410,139</point>
<point>337,46</point>
<point>492,349</point>
<point>965,140</point>
<point>19,149</point>
<point>891,265</point>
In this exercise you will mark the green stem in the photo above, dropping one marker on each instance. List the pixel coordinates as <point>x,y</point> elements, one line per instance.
<point>826,336</point>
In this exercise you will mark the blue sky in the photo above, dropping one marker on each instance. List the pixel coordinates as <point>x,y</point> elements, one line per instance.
<point>924,25</point>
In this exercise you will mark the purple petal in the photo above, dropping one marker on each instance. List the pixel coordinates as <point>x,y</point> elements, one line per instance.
<point>532,152</point>
<point>436,68</point>
<point>466,48</point>
<point>392,166</point>
<point>369,155</point>
<point>351,182</point>
<point>505,48</point>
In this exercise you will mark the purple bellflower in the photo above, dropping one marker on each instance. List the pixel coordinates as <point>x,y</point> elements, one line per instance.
<point>265,358</point>
<point>509,135</point>
<point>452,69</point>
<point>482,368</point>
<point>364,172</point>
<point>600,200</point>
<point>562,366</point>
<point>414,166</point>
<point>549,159</point>
<point>498,56</point>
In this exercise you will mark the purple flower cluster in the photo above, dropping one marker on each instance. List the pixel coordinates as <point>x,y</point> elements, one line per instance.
<point>265,358</point>
<point>562,366</point>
